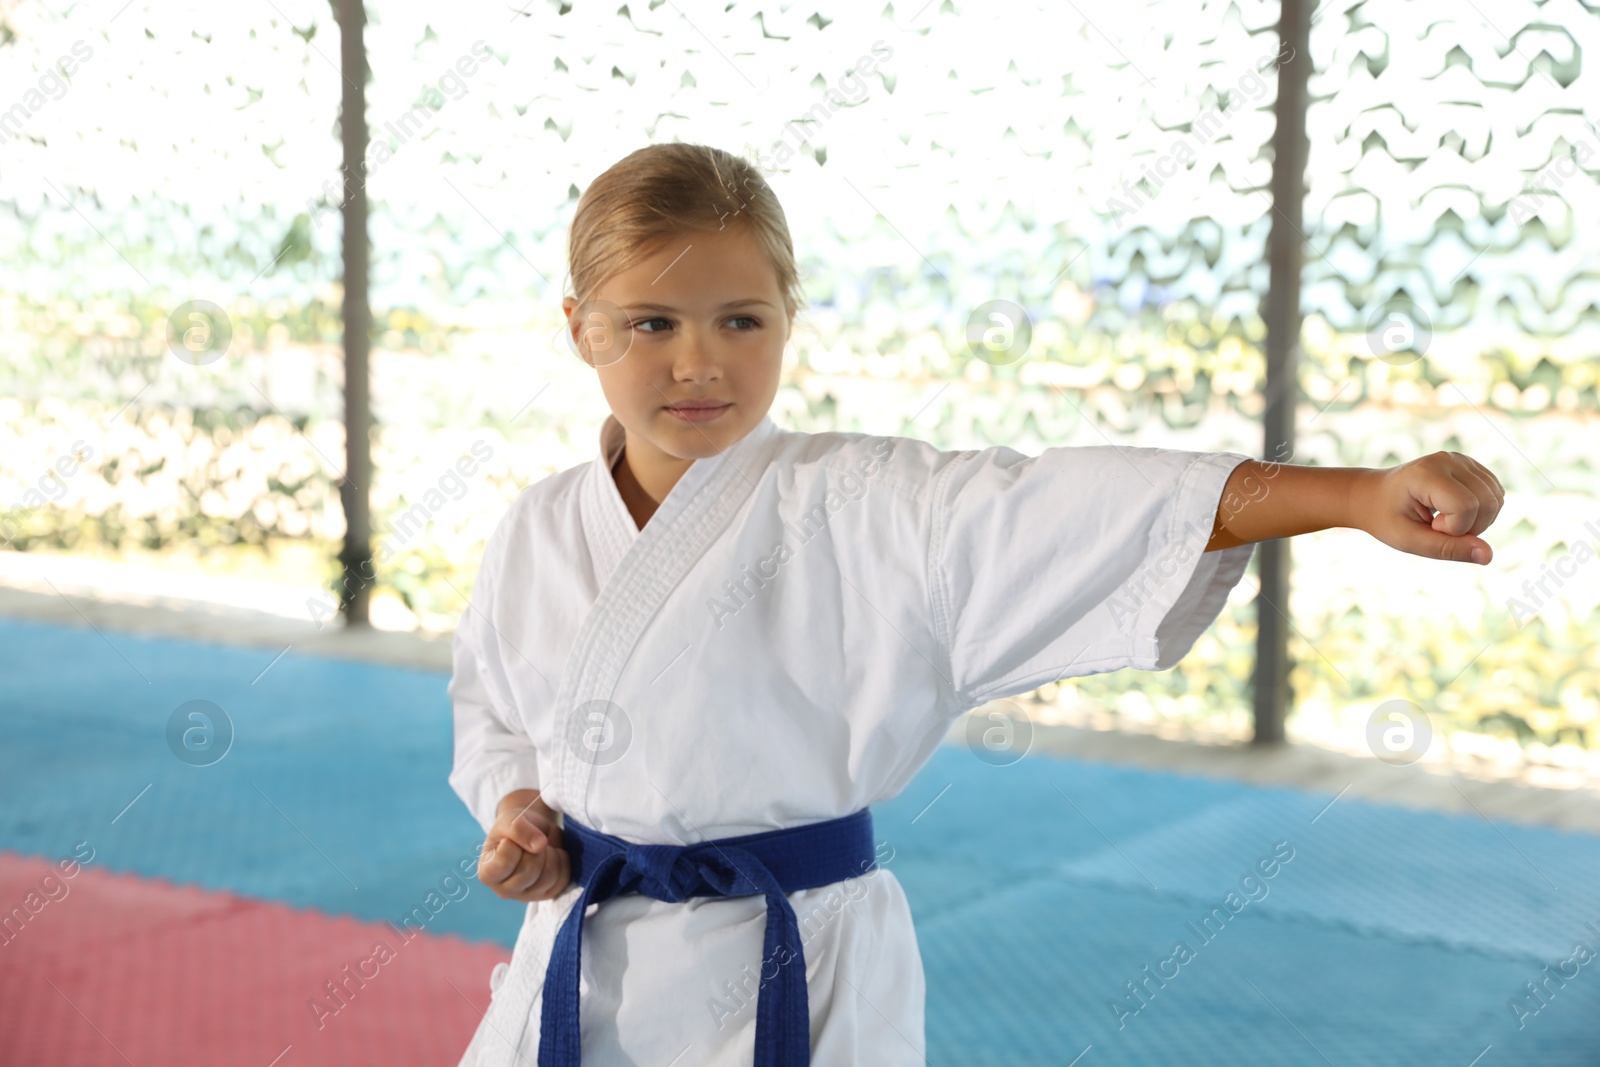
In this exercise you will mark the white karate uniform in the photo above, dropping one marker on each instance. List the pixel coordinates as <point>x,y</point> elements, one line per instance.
<point>761,687</point>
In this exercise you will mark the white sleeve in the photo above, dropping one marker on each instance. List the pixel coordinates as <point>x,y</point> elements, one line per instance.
<point>493,754</point>
<point>1078,561</point>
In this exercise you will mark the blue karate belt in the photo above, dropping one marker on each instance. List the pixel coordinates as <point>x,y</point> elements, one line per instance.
<point>770,864</point>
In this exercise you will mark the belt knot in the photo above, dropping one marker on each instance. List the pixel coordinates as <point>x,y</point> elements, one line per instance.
<point>673,873</point>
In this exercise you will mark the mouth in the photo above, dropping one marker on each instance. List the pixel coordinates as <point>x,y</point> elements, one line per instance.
<point>698,410</point>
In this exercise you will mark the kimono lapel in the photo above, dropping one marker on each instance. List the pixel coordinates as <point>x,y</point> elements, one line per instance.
<point>607,525</point>
<point>637,570</point>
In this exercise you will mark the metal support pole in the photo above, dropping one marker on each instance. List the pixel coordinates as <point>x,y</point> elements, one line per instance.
<point>356,568</point>
<point>1285,256</point>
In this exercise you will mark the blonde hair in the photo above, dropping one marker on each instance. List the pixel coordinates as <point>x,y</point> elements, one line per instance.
<point>663,191</point>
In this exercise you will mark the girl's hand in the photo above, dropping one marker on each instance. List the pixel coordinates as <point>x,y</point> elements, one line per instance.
<point>1398,506</point>
<point>522,858</point>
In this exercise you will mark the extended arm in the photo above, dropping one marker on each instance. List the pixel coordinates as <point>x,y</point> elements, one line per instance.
<point>1434,506</point>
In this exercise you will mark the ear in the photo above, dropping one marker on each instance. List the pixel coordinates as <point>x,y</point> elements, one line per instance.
<point>568,305</point>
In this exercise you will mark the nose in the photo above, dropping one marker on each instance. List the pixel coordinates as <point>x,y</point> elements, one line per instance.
<point>694,361</point>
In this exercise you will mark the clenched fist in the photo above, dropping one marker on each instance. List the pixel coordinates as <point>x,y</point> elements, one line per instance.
<point>1435,506</point>
<point>522,858</point>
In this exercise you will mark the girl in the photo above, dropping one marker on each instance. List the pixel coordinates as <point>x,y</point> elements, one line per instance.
<point>691,665</point>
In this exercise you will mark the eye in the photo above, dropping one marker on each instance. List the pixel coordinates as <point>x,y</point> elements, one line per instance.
<point>636,324</point>
<point>754,322</point>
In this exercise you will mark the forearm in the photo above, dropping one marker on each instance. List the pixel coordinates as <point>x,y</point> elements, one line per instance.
<point>1261,501</point>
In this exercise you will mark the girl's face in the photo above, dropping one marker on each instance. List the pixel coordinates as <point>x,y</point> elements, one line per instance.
<point>702,319</point>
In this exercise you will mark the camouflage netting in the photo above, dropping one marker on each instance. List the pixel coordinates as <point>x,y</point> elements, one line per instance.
<point>1108,178</point>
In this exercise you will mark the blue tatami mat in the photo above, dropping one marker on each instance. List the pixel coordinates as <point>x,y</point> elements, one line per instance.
<point>1052,897</point>
<point>1044,889</point>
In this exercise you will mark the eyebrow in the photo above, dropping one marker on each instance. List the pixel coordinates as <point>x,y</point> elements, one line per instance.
<point>747,302</point>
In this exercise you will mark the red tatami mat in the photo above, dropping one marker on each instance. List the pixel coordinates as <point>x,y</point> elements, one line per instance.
<point>124,969</point>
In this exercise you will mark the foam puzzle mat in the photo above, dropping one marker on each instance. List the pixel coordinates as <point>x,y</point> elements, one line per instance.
<point>1067,912</point>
